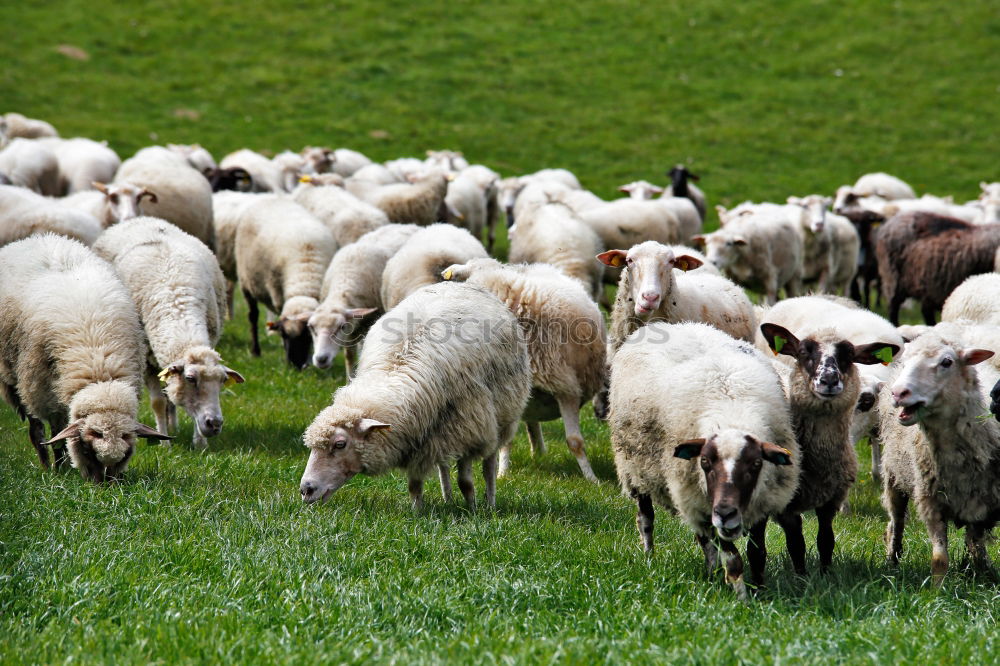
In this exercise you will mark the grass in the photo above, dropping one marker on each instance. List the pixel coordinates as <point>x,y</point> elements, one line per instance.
<point>211,557</point>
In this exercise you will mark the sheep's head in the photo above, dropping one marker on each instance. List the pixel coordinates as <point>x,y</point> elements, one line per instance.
<point>732,462</point>
<point>292,165</point>
<point>123,201</point>
<point>723,248</point>
<point>641,189</point>
<point>933,367</point>
<point>336,452</point>
<point>815,206</point>
<point>237,179</point>
<point>317,160</point>
<point>650,266</point>
<point>331,328</point>
<point>194,383</point>
<point>507,191</point>
<point>293,329</point>
<point>679,175</point>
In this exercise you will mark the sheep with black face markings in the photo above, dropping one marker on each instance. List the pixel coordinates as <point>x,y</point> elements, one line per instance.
<point>443,378</point>
<point>686,392</point>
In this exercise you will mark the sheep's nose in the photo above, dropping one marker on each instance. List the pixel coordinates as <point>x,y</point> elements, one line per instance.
<point>901,394</point>
<point>322,360</point>
<point>307,490</point>
<point>211,425</point>
<point>650,296</point>
<point>725,513</point>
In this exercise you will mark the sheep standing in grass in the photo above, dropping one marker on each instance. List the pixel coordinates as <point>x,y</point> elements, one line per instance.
<point>831,245</point>
<point>443,377</point>
<point>419,202</point>
<point>282,253</point>
<point>350,294</point>
<point>823,392</point>
<point>30,164</point>
<point>938,452</point>
<point>509,189</point>
<point>688,218</point>
<point>71,353</point>
<point>487,180</point>
<point>566,343</point>
<point>198,157</point>
<point>681,186</point>
<point>267,176</point>
<point>699,424</point>
<point>23,213</point>
<point>348,217</point>
<point>180,292</point>
<point>82,162</point>
<point>872,187</point>
<point>421,259</point>
<point>111,203</point>
<point>14,125</point>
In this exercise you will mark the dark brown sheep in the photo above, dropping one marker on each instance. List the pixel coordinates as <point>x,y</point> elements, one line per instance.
<point>925,256</point>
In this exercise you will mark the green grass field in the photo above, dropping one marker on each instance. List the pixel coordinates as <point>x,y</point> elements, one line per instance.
<point>211,556</point>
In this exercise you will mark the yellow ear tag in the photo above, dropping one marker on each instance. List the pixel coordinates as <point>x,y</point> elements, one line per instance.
<point>230,380</point>
<point>617,261</point>
<point>163,375</point>
<point>305,179</point>
<point>447,274</point>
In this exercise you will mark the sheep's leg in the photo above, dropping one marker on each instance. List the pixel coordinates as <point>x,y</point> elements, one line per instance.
<point>36,433</point>
<point>876,459</point>
<point>734,568</point>
<point>937,529</point>
<point>602,399</point>
<point>505,459</point>
<point>855,286</point>
<point>230,288</point>
<point>896,501</point>
<point>252,315</point>
<point>534,429</point>
<point>465,482</point>
<point>445,475</point>
<point>490,479</point>
<point>791,523</point>
<point>644,520</point>
<point>975,545</point>
<point>158,401</point>
<point>416,488</point>
<point>569,409</point>
<point>711,553</point>
<point>350,360</point>
<point>894,304</point>
<point>824,537</point>
<point>757,552</point>
<point>929,312</point>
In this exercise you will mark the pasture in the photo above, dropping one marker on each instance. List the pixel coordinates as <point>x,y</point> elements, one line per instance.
<point>211,556</point>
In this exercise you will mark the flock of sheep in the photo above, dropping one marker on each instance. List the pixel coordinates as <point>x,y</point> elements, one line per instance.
<point>114,275</point>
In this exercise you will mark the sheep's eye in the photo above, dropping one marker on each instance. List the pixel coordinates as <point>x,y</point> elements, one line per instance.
<point>96,434</point>
<point>190,379</point>
<point>705,464</point>
<point>340,443</point>
<point>946,363</point>
<point>114,198</point>
<point>757,463</point>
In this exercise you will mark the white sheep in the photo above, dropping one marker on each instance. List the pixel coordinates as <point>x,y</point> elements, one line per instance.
<point>282,253</point>
<point>488,181</point>
<point>683,208</point>
<point>421,259</point>
<point>446,160</point>
<point>24,213</point>
<point>938,451</point>
<point>351,293</point>
<point>180,293</point>
<point>509,189</point>
<point>831,245</point>
<point>466,201</point>
<point>110,203</point>
<point>347,162</point>
<point>348,217</point>
<point>566,343</point>
<point>405,167</point>
<point>82,162</point>
<point>290,166</point>
<point>699,425</point>
<point>71,353</point>
<point>443,377</point>
<point>14,125</point>
<point>183,196</point>
<point>30,164</point>
<point>199,158</point>
<point>375,173</point>
<point>976,299</point>
<point>418,202</point>
<point>267,175</point>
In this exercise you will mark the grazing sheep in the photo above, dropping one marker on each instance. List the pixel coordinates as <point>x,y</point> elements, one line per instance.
<point>421,259</point>
<point>71,353</point>
<point>350,294</point>
<point>466,202</point>
<point>290,166</point>
<point>443,377</point>
<point>82,162</point>
<point>267,176</point>
<point>566,343</point>
<point>404,168</point>
<point>112,203</point>
<point>419,202</point>
<point>509,189</point>
<point>30,164</point>
<point>688,392</point>
<point>822,392</point>
<point>282,252</point>
<point>681,187</point>
<point>873,187</point>
<point>176,284</point>
<point>14,125</point>
<point>228,209</point>
<point>196,156</point>
<point>183,196</point>
<point>347,162</point>
<point>347,217</point>
<point>375,173</point>
<point>761,251</point>
<point>237,179</point>
<point>925,256</point>
<point>24,213</point>
<point>948,464</point>
<point>553,234</point>
<point>488,180</point>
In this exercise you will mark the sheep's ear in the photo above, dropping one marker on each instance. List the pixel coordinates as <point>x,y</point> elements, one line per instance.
<point>144,431</point>
<point>780,340</point>
<point>775,454</point>
<point>368,426</point>
<point>689,449</point>
<point>273,327</point>
<point>232,377</point>
<point>613,258</point>
<point>698,240</point>
<point>686,262</point>
<point>100,187</point>
<point>876,352</point>
<point>172,369</point>
<point>739,240</point>
<point>974,356</point>
<point>627,189</point>
<point>302,316</point>
<point>358,313</point>
<point>693,176</point>
<point>72,430</point>
<point>795,201</point>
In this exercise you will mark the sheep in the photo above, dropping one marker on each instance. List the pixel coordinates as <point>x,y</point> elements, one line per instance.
<point>24,213</point>
<point>228,209</point>
<point>176,284</point>
<point>317,160</point>
<point>350,294</point>
<point>948,463</point>
<point>82,162</point>
<point>420,202</point>
<point>267,175</point>
<point>446,160</point>
<point>14,125</point>
<point>421,259</point>
<point>183,196</point>
<point>553,234</point>
<point>347,217</point>
<point>198,157</point>
<point>681,187</point>
<point>509,189</point>
<point>232,178</point>
<point>30,164</point>
<point>347,162</point>
<point>467,203</point>
<point>290,166</point>
<point>566,343</point>
<point>823,391</point>
<point>831,245</point>
<point>488,181</point>
<point>405,167</point>
<point>111,203</point>
<point>874,187</point>
<point>282,253</point>
<point>689,391</point>
<point>688,218</point>
<point>443,377</point>
<point>925,256</point>
<point>761,251</point>
<point>975,299</point>
<point>71,353</point>
<point>375,173</point>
